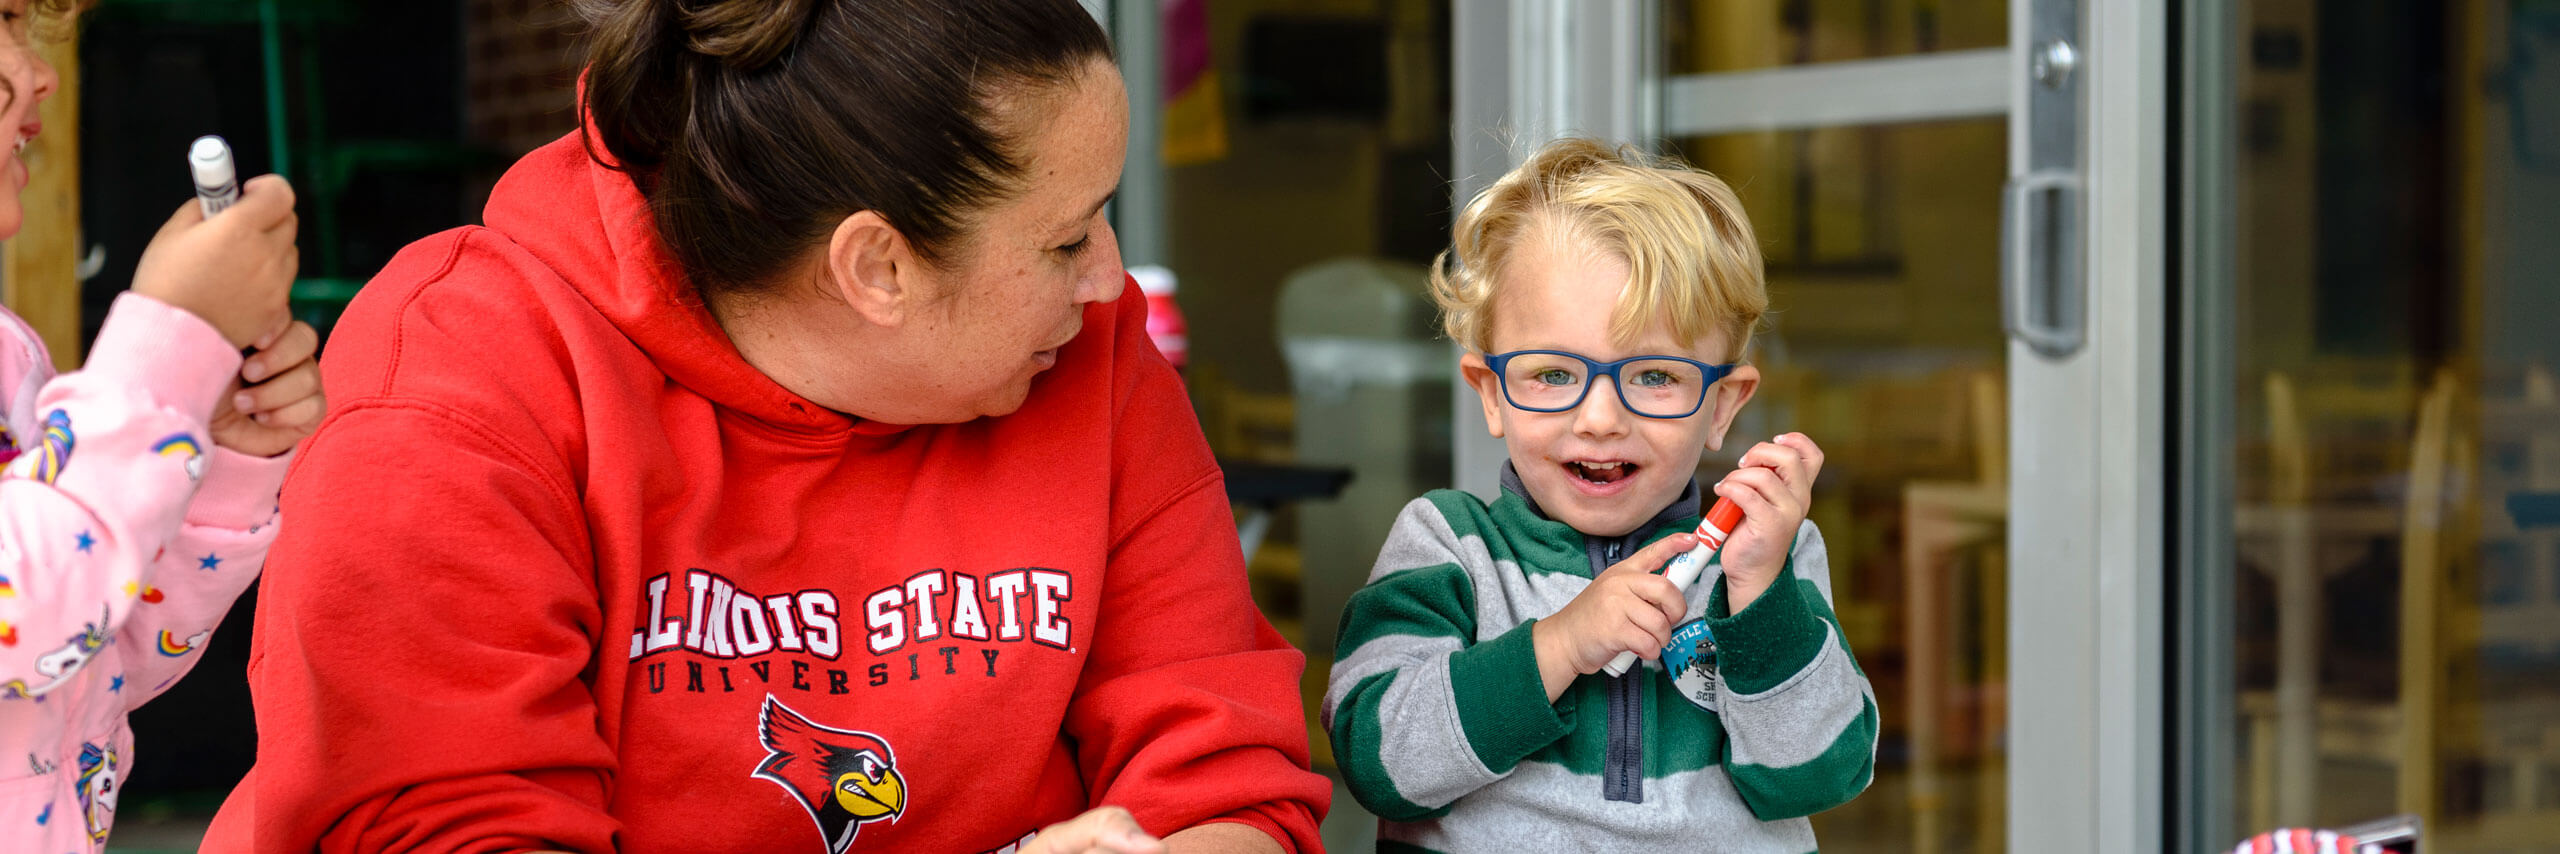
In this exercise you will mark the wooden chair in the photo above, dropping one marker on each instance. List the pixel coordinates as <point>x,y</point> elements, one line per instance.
<point>1940,518</point>
<point>2294,728</point>
<point>2423,564</point>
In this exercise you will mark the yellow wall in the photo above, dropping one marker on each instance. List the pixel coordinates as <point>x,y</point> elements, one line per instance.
<point>36,266</point>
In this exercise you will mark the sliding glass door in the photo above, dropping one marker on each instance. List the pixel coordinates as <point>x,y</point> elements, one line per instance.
<point>2372,511</point>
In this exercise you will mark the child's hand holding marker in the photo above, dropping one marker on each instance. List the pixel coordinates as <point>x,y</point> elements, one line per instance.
<point>1773,484</point>
<point>230,258</point>
<point>1628,611</point>
<point>1752,528</point>
<point>234,270</point>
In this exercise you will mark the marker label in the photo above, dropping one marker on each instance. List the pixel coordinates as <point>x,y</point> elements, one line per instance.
<point>217,182</point>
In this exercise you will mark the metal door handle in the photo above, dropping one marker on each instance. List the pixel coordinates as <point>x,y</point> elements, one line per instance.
<point>2041,277</point>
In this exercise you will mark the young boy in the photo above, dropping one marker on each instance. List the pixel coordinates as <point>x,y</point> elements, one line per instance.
<point>1605,301</point>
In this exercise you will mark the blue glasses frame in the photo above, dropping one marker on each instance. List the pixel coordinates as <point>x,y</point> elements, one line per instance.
<point>1500,361</point>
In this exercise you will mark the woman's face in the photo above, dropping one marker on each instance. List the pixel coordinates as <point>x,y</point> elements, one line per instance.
<point>1014,290</point>
<point>30,81</point>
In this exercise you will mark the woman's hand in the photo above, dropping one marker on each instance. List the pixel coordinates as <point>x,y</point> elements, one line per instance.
<point>1101,830</point>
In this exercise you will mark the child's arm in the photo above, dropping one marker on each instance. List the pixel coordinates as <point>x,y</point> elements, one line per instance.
<point>1420,714</point>
<point>234,517</point>
<point>1799,716</point>
<point>216,553</point>
<point>102,487</point>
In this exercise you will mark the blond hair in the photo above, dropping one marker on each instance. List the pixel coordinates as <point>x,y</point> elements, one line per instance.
<point>1690,255</point>
<point>57,19</point>
<point>50,21</point>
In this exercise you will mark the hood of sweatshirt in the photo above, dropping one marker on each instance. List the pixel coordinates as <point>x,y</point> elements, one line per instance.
<point>588,223</point>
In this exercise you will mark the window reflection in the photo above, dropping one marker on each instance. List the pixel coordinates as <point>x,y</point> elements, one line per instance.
<point>2397,569</point>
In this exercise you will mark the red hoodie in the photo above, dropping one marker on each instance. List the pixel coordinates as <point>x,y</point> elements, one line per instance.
<point>566,572</point>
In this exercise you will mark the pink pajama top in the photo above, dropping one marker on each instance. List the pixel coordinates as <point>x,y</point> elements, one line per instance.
<point>124,536</point>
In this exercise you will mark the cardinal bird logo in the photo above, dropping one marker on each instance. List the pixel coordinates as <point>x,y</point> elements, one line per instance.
<point>845,779</point>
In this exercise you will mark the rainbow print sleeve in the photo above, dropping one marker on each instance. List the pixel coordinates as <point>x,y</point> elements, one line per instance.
<point>216,553</point>
<point>104,479</point>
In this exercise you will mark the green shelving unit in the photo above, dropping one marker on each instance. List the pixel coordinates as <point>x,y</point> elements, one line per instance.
<point>325,166</point>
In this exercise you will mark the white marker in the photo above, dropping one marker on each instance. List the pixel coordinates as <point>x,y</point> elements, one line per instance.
<point>1720,522</point>
<point>217,185</point>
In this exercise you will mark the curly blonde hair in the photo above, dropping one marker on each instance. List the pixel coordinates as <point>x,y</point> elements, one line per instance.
<point>1691,257</point>
<point>56,19</point>
<point>49,20</point>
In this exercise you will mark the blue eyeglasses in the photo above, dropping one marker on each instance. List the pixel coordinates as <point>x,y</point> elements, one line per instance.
<point>1651,386</point>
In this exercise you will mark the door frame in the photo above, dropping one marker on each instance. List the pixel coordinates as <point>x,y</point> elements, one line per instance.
<point>2088,590</point>
<point>2088,541</point>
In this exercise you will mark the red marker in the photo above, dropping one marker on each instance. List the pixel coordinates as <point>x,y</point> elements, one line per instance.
<point>1720,522</point>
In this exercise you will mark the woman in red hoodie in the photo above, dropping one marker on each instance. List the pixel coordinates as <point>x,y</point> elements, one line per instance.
<point>775,471</point>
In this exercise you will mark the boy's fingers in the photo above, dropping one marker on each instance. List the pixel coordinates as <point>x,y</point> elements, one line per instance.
<point>1639,640</point>
<point>1777,495</point>
<point>1658,629</point>
<point>1765,453</point>
<point>1660,593</point>
<point>1657,632</point>
<point>1770,479</point>
<point>1754,503</point>
<point>1648,619</point>
<point>1806,448</point>
<point>1654,555</point>
<point>1785,474</point>
<point>1774,456</point>
<point>1765,481</point>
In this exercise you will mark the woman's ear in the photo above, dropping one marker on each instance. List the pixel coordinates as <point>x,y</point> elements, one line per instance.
<point>871,268</point>
<point>1727,396</point>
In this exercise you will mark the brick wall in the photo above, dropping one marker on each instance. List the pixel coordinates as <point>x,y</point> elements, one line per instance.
<point>521,64</point>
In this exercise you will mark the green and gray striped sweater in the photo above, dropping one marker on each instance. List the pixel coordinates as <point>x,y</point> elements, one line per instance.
<point>1442,726</point>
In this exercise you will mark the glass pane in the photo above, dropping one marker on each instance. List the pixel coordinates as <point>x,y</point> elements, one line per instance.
<point>1306,155</point>
<point>1885,347</point>
<point>2394,444</point>
<point>1722,35</point>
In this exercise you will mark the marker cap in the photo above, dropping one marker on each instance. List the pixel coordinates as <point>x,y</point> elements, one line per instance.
<point>1721,520</point>
<point>210,161</point>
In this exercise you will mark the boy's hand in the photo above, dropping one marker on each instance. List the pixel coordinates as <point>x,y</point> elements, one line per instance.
<point>286,404</point>
<point>1774,487</point>
<point>1629,608</point>
<point>235,270</point>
